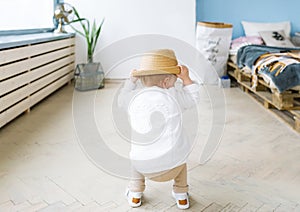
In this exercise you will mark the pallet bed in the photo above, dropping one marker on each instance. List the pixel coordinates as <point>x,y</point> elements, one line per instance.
<point>284,105</point>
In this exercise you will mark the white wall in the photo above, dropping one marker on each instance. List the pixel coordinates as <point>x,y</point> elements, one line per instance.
<point>131,20</point>
<point>20,14</point>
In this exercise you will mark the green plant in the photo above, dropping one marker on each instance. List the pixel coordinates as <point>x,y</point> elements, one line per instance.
<point>91,34</point>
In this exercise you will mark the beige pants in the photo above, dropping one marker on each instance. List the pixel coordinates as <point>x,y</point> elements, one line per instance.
<point>178,174</point>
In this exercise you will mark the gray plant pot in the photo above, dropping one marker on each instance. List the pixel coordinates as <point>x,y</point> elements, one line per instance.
<point>89,76</point>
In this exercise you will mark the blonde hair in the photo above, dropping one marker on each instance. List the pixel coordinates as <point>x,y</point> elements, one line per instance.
<point>154,80</point>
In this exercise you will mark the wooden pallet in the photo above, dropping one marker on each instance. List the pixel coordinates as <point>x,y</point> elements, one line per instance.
<point>296,117</point>
<point>284,105</point>
<point>288,100</point>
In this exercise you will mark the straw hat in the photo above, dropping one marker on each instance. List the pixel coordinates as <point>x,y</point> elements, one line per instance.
<point>161,61</point>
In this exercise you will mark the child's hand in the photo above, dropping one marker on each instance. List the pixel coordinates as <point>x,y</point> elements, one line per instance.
<point>132,78</point>
<point>184,75</point>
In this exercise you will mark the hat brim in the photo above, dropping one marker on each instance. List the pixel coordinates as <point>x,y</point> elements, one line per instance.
<point>173,70</point>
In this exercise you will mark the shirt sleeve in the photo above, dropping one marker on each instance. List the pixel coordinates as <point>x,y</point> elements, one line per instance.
<point>189,95</point>
<point>126,94</point>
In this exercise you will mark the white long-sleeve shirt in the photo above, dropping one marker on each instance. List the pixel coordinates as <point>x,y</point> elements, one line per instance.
<point>155,114</point>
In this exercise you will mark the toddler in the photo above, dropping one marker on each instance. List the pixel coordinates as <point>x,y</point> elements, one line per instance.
<point>159,148</point>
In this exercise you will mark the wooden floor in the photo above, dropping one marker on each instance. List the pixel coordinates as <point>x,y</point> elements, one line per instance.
<point>43,168</point>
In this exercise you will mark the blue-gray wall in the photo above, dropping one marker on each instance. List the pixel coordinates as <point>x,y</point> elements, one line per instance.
<point>235,11</point>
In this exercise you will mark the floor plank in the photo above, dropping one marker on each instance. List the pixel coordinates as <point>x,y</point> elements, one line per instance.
<point>43,167</point>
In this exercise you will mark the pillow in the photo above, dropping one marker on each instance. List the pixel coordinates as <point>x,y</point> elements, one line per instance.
<point>237,42</point>
<point>276,38</point>
<point>253,28</point>
<point>242,41</point>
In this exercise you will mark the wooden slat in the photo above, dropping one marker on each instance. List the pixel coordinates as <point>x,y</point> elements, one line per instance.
<point>44,70</point>
<point>2,119</point>
<point>21,66</point>
<point>14,69</point>
<point>297,124</point>
<point>24,105</point>
<point>12,98</point>
<point>35,98</point>
<point>50,78</point>
<point>23,79</point>
<point>232,64</point>
<point>17,109</point>
<point>267,96</point>
<point>296,113</point>
<point>14,54</point>
<point>24,92</point>
<point>231,73</point>
<point>52,56</point>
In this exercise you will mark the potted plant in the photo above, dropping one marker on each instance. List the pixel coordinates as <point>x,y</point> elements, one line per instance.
<point>89,75</point>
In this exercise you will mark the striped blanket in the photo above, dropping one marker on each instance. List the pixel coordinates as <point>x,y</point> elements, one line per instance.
<point>280,67</point>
